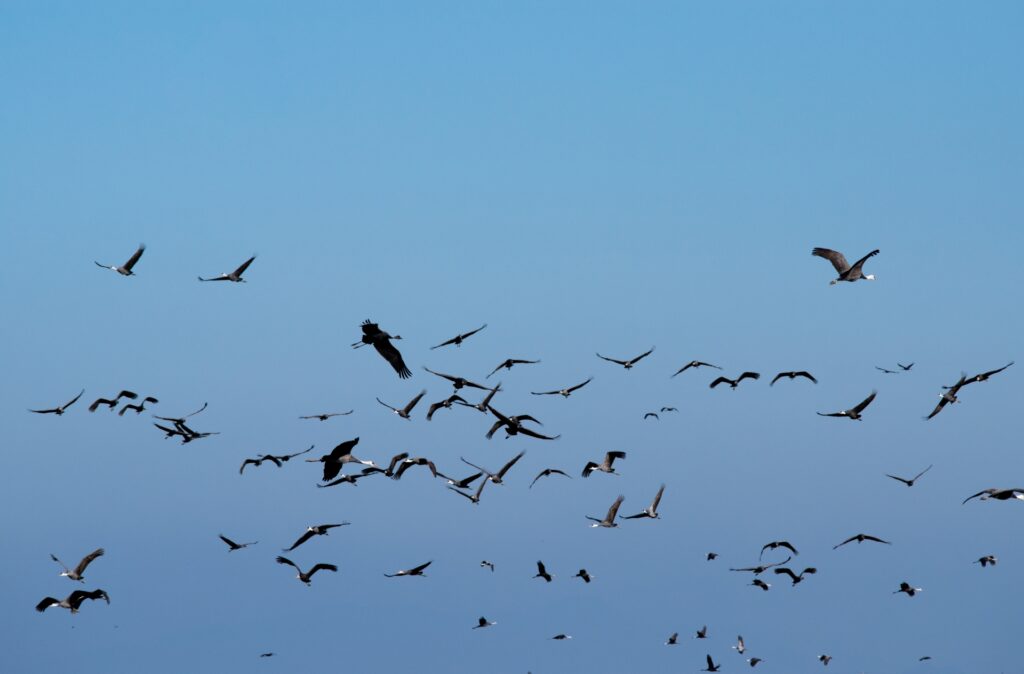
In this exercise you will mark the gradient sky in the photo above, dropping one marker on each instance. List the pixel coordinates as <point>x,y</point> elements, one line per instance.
<point>582,176</point>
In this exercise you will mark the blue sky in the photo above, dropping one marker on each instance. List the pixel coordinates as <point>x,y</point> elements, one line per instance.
<point>582,177</point>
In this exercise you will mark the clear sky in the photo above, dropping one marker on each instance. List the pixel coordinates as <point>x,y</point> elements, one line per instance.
<point>582,177</point>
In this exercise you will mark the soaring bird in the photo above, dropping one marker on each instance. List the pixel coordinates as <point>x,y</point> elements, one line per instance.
<point>76,573</point>
<point>464,483</point>
<point>733,383</point>
<point>582,573</point>
<point>740,647</point>
<point>985,375</point>
<point>908,590</point>
<point>404,412</point>
<point>415,461</point>
<point>825,659</point>
<point>138,409</point>
<point>757,582</point>
<point>564,392</point>
<point>673,639</point>
<point>546,472</point>
<point>60,410</point>
<point>793,375</point>
<point>778,544</point>
<point>475,497</point>
<point>810,570</point>
<point>497,477</point>
<point>860,538</point>
<point>181,420</point>
<point>446,404</point>
<point>372,334</point>
<point>126,268</point>
<point>561,637</point>
<point>712,667</point>
<point>542,572</point>
<point>702,633</point>
<point>485,403</point>
<point>458,339</point>
<point>911,481</point>
<point>235,276</point>
<point>998,494</point>
<point>306,577</point>
<point>852,413</point>
<point>650,511</point>
<point>325,417</point>
<point>483,622</point>
<point>753,661</point>
<point>652,414</point>
<point>885,371</point>
<point>948,396</point>
<point>317,530</point>
<point>987,560</point>
<point>457,382</point>
<point>628,364</point>
<point>509,362</point>
<point>415,571</point>
<point>514,426</point>
<point>905,368</point>
<point>609,520</point>
<point>72,601</point>
<point>232,546</point>
<point>276,460</point>
<point>846,271</point>
<point>761,568</point>
<point>605,466</point>
<point>694,363</point>
<point>338,457</point>
<point>487,565</point>
<point>112,403</point>
<point>711,556</point>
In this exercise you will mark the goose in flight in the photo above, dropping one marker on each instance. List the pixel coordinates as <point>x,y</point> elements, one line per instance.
<point>232,546</point>
<point>860,538</point>
<point>753,661</point>
<point>445,404</point>
<point>648,415</point>
<point>514,426</point>
<point>628,364</point>
<point>487,565</point>
<point>998,494</point>
<point>350,479</point>
<point>582,573</point>
<point>847,272</point>
<point>609,520</point>
<point>483,622</point>
<point>774,545</point>
<point>381,341</point>
<point>546,472</point>
<point>76,573</point>
<point>673,639</point>
<point>415,571</point>
<point>605,466</point>
<point>825,659</point>
<point>542,572</point>
<point>416,461</point>
<point>702,633</point>
<point>810,570</point>
<point>307,578</point>
<point>276,460</point>
<point>317,530</point>
<point>908,590</point>
<point>126,268</point>
<point>650,511</point>
<point>564,392</point>
<point>987,560</point>
<point>458,339</point>
<point>404,412</point>
<point>497,478</point>
<point>235,276</point>
<point>911,481</point>
<point>60,410</point>
<point>733,383</point>
<point>561,637</point>
<point>326,416</point>
<point>509,362</point>
<point>694,363</point>
<point>73,601</point>
<point>464,483</point>
<point>138,409</point>
<point>793,375</point>
<point>852,413</point>
<point>885,371</point>
<point>112,403</point>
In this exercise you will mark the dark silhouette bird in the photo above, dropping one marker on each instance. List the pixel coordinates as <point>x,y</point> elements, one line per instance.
<point>948,396</point>
<point>628,364</point>
<point>924,657</point>
<point>317,530</point>
<point>985,375</point>
<point>514,426</point>
<point>350,479</point>
<point>276,460</point>
<point>487,565</point>
<point>860,538</point>
<point>474,497</point>
<point>885,371</point>
<point>235,276</point>
<point>266,655</point>
<point>483,622</point>
<point>702,633</point>
<point>606,465</point>
<point>381,341</point>
<point>111,403</point>
<point>404,412</point>
<point>793,375</point>
<point>852,413</point>
<point>825,659</point>
<point>325,417</point>
<point>753,661</point>
<point>181,420</point>
<point>673,639</point>
<point>911,481</point>
<point>757,582</point>
<point>905,368</point>
<point>652,414</point>
<point>778,544</point>
<point>509,362</point>
<point>458,339</point>
<point>797,579</point>
<point>307,578</point>
<point>847,272</point>
<point>712,667</point>
<point>906,589</point>
<point>669,409</point>
<point>609,520</point>
<point>733,383</point>
<point>564,392</point>
<point>232,546</point>
<point>137,408</point>
<point>650,511</point>
<point>339,456</point>
<point>694,363</point>
<point>497,477</point>
<point>546,472</point>
<point>392,465</point>
<point>126,268</point>
<point>711,556</point>
<point>184,432</point>
<point>76,573</point>
<point>457,382</point>
<point>561,637</point>
<point>60,410</point>
<point>986,561</point>
<point>543,572</point>
<point>582,573</point>
<point>761,568</point>
<point>73,601</point>
<point>415,461</point>
<point>998,494</point>
<point>415,571</point>
<point>444,404</point>
<point>464,483</point>
<point>485,403</point>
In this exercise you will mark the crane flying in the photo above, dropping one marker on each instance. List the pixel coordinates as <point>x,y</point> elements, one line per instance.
<point>235,276</point>
<point>126,268</point>
<point>847,272</point>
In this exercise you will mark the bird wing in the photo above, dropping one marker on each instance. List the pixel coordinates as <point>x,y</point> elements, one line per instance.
<point>580,385</point>
<point>859,263</point>
<point>641,356</point>
<point>657,499</point>
<point>472,332</point>
<point>651,414</point>
<point>779,376</point>
<point>848,540</point>
<point>343,449</point>
<point>87,560</point>
<point>135,257</point>
<point>506,363</point>
<point>938,407</point>
<point>922,472</point>
<point>322,567</point>
<point>286,457</point>
<point>720,380</point>
<point>47,602</point>
<point>805,373</point>
<point>394,461</point>
<point>131,395</point>
<point>898,478</point>
<point>864,403</point>
<point>683,368</point>
<point>441,374</point>
<point>62,565</point>
<point>610,457</point>
<point>614,510</point>
<point>831,414</point>
<point>788,546</point>
<point>388,351</point>
<point>534,434</point>
<point>748,375</point>
<point>302,539</point>
<point>541,571</point>
<point>285,560</point>
<point>414,401</point>
<point>231,544</point>
<point>787,571</point>
<point>544,393</point>
<point>482,470</point>
<point>245,265</point>
<point>507,466</point>
<point>837,259</point>
<point>433,408</point>
<point>419,569</point>
<point>589,468</point>
<point>875,539</point>
<point>72,401</point>
<point>611,360</point>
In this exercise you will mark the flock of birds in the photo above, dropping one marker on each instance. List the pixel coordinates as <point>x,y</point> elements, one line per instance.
<point>471,486</point>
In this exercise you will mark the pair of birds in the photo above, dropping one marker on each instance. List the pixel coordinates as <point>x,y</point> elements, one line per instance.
<point>126,268</point>
<point>74,600</point>
<point>111,403</point>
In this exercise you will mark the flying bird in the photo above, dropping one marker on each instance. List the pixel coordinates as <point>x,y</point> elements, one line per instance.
<point>317,530</point>
<point>445,404</point>
<point>415,571</point>
<point>488,565</point>
<point>810,570</point>
<point>753,661</point>
<point>740,647</point>
<point>60,410</point>
<point>669,409</point>
<point>906,588</point>
<point>561,637</point>
<point>457,382</point>
<point>761,568</point>
<point>702,633</point>
<point>905,368</point>
<point>464,483</point>
<point>546,472</point>
<point>885,371</point>
<point>564,392</point>
<point>543,572</point>
<point>673,639</point>
<point>778,544</point>
<point>733,383</point>
<point>76,573</point>
<point>712,667</point>
<point>497,478</point>
<point>757,582</point>
<point>235,276</point>
<point>404,412</point>
<point>582,573</point>
<point>650,511</point>
<point>325,417</point>
<point>509,362</point>
<point>381,341</point>
<point>416,461</point>
<point>987,560</point>
<point>609,520</point>
<point>985,375</point>
<point>232,546</point>
<point>126,268</point>
<point>483,622</point>
<point>852,413</point>
<point>111,403</point>
<point>350,479</point>
<point>711,556</point>
<point>628,364</point>
<point>948,396</point>
<point>485,403</point>
<point>606,465</point>
<point>458,339</point>
<point>73,601</point>
<point>307,578</point>
<point>793,375</point>
<point>276,460</point>
<point>860,538</point>
<point>181,420</point>
<point>514,426</point>
<point>694,363</point>
<point>998,494</point>
<point>138,409</point>
<point>339,456</point>
<point>652,414</point>
<point>911,481</point>
<point>846,271</point>
<point>475,497</point>
<point>825,659</point>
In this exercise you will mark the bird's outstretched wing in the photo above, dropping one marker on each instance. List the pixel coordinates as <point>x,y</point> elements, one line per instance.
<point>837,259</point>
<point>87,560</point>
<point>135,257</point>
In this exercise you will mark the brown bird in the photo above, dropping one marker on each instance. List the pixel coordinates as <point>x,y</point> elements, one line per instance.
<point>650,511</point>
<point>605,466</point>
<point>733,383</point>
<point>855,412</point>
<point>317,530</point>
<point>475,497</point>
<point>485,403</point>
<point>985,375</point>
<point>417,461</point>
<point>404,412</point>
<point>126,268</point>
<point>138,409</point>
<point>949,396</point>
<point>582,573</point>
<point>338,457</point>
<point>235,276</point>
<point>446,404</point>
<point>609,520</point>
<point>758,570</point>
<point>514,426</point>
<point>76,573</point>
<point>546,472</point>
<point>757,582</point>
<point>458,339</point>
<point>276,460</point>
<point>60,410</point>
<point>232,546</point>
<point>779,544</point>
<point>998,494</point>
<point>497,478</point>
<point>73,601</point>
<point>628,364</point>
<point>564,392</point>
<point>847,272</point>
<point>694,363</point>
<point>415,571</point>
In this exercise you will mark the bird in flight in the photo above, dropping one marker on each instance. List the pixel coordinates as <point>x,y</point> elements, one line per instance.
<point>514,426</point>
<point>235,276</point>
<point>673,639</point>
<point>404,412</point>
<point>761,568</point>
<point>652,414</point>
<point>138,409</point>
<point>457,382</point>
<point>458,339</point>
<point>885,371</point>
<point>628,364</point>
<point>446,404</point>
<point>73,601</point>
<point>733,383</point>
<point>564,392</point>
<point>76,573</point>
<point>542,572</point>
<point>908,590</point>
<point>497,478</point>
<point>112,403</point>
<point>860,538</point>
<point>825,659</point>
<point>483,404</point>
<point>650,511</point>
<point>60,410</point>
<point>778,544</point>
<point>232,546</point>
<point>372,334</point>
<point>307,578</point>
<point>339,456</point>
<point>488,565</point>
<point>276,460</point>
<point>605,466</point>
<point>694,363</point>
<point>546,472</point>
<point>852,413</point>
<point>987,560</point>
<point>483,622</point>
<point>181,420</point>
<point>948,396</point>
<point>475,497</point>
<point>795,578</point>
<point>609,520</point>
<point>582,573</point>
<point>326,416</point>
<point>911,481</point>
<point>905,368</point>
<point>712,667</point>
<point>757,582</point>
<point>847,272</point>
<point>740,647</point>
<point>415,571</point>
<point>126,268</point>
<point>985,375</point>
<point>509,362</point>
<point>998,494</point>
<point>793,375</point>
<point>702,633</point>
<point>317,530</point>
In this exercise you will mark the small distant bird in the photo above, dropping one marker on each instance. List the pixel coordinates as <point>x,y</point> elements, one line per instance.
<point>757,582</point>
<point>712,667</point>
<point>483,622</point>
<point>998,494</point>
<point>325,417</point>
<point>987,560</point>
<point>317,530</point>
<point>76,573</point>
<point>860,538</point>
<point>404,412</point>
<point>628,364</point>
<point>126,268</point>
<point>232,546</point>
<point>885,371</point>
<point>486,564</point>
<point>673,640</point>
<point>509,362</point>
<point>761,568</point>
<point>266,655</point>
<point>702,633</point>
<point>793,375</point>
<point>582,573</point>
<point>415,571</point>
<point>73,601</point>
<point>181,420</point>
<point>609,520</point>
<point>985,375</point>
<point>855,412</point>
<point>381,341</point>
<point>235,276</point>
<point>740,647</point>
<point>810,570</point>
<point>474,498</point>
<point>415,461</point>
<point>651,414</point>
<point>908,590</point>
<point>458,339</point>
<point>825,659</point>
<point>669,409</point>
<point>546,472</point>
<point>351,479</point>
<point>924,657</point>
<point>564,392</point>
<point>276,460</point>
<point>650,511</point>
<point>497,478</point>
<point>905,368</point>
<point>464,483</point>
<point>778,544</point>
<point>733,383</point>
<point>60,410</point>
<point>694,363</point>
<point>561,637</point>
<point>138,409</point>
<point>711,556</point>
<point>753,661</point>
<point>847,272</point>
<point>457,382</point>
<point>605,466</point>
<point>111,403</point>
<point>307,578</point>
<point>542,572</point>
<point>948,396</point>
<point>446,404</point>
<point>911,481</point>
